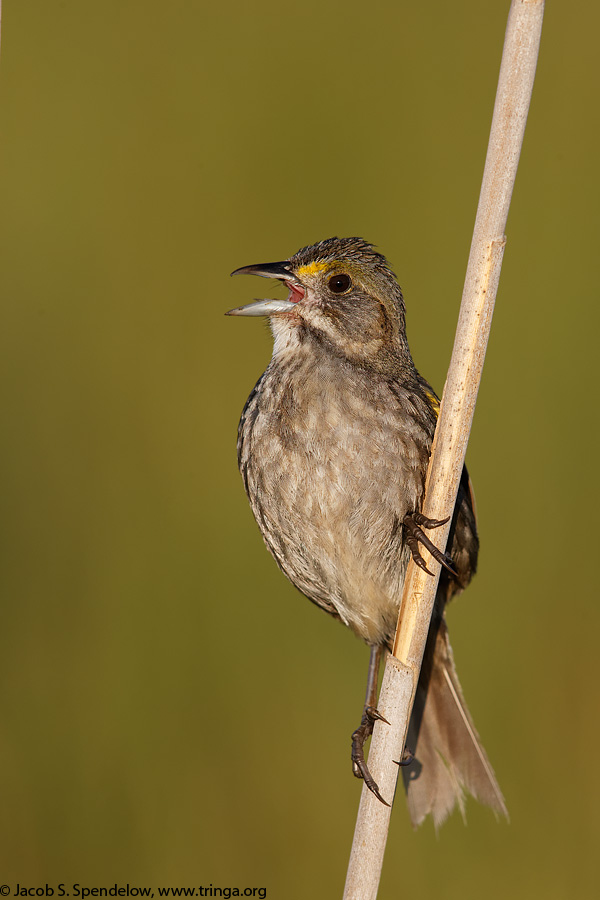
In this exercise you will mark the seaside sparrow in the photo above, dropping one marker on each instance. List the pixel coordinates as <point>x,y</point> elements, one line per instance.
<point>333,447</point>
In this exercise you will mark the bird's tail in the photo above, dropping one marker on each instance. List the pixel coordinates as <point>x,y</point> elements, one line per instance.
<point>449,756</point>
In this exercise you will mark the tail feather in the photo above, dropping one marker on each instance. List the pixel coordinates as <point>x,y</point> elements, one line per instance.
<point>449,756</point>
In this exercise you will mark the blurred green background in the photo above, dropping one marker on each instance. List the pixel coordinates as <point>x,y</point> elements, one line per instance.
<point>159,679</point>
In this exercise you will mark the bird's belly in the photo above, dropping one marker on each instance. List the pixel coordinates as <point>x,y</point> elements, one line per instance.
<point>329,494</point>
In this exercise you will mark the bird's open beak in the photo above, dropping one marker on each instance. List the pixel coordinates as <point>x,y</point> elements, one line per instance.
<point>278,270</point>
<point>266,270</point>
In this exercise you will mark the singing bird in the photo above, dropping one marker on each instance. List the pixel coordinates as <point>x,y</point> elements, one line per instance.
<point>333,447</point>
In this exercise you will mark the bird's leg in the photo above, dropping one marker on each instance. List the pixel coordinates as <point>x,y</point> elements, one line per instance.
<point>372,677</point>
<point>365,729</point>
<point>414,535</point>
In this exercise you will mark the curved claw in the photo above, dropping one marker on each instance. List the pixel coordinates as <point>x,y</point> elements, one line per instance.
<point>363,772</point>
<point>374,715</point>
<point>364,731</point>
<point>407,758</point>
<point>415,536</point>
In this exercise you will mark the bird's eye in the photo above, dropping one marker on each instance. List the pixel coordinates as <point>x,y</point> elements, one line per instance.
<point>341,283</point>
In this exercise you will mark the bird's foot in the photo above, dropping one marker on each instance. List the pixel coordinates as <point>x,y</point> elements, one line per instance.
<point>415,535</point>
<point>407,758</point>
<point>364,731</point>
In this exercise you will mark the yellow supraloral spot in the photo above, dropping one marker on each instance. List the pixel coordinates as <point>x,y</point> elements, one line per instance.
<point>313,268</point>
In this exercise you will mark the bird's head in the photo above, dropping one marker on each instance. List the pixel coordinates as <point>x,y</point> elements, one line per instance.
<point>343,294</point>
